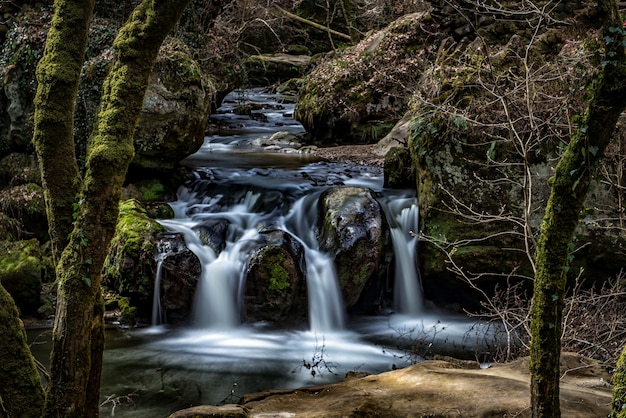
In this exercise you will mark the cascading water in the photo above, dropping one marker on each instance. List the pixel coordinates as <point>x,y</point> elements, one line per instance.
<point>242,193</point>
<point>326,311</point>
<point>293,191</point>
<point>402,215</point>
<point>157,312</point>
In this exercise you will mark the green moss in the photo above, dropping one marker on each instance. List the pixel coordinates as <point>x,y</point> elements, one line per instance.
<point>151,190</point>
<point>618,405</point>
<point>273,259</point>
<point>20,272</point>
<point>132,250</point>
<point>128,313</point>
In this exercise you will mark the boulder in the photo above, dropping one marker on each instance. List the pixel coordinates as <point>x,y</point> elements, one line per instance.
<point>130,266</point>
<point>356,95</point>
<point>353,230</point>
<point>276,289</point>
<point>180,272</point>
<point>20,273</point>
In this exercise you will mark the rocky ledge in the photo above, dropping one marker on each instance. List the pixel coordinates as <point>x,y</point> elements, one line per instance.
<point>442,387</point>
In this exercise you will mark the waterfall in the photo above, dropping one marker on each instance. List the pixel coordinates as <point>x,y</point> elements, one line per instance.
<point>157,312</point>
<point>326,310</point>
<point>218,296</point>
<point>219,293</point>
<point>403,216</point>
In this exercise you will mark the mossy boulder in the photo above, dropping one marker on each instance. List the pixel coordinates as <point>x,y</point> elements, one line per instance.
<point>352,229</point>
<point>20,273</point>
<point>357,94</point>
<point>25,203</point>
<point>483,170</point>
<point>275,281</point>
<point>130,266</point>
<point>177,103</point>
<point>399,172</point>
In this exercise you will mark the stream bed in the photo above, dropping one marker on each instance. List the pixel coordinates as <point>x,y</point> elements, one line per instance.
<point>154,371</point>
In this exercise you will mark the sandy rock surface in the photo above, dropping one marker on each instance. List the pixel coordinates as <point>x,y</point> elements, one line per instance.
<point>434,388</point>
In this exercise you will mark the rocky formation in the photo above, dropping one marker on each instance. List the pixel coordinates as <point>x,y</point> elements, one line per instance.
<point>354,232</point>
<point>358,94</point>
<point>21,271</point>
<point>180,271</point>
<point>486,104</point>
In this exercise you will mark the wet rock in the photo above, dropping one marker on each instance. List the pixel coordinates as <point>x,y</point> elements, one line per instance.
<point>213,233</point>
<point>353,231</point>
<point>275,284</point>
<point>180,273</point>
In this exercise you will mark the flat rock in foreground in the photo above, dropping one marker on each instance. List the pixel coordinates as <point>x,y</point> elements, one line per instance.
<point>435,388</point>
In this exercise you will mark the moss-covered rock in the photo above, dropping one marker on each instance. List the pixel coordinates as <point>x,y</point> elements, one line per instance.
<point>25,203</point>
<point>20,273</point>
<point>130,267</point>
<point>353,231</point>
<point>275,282</point>
<point>398,170</point>
<point>356,95</point>
<point>483,169</point>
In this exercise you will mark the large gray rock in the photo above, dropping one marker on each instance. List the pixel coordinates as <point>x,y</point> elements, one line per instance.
<point>352,229</point>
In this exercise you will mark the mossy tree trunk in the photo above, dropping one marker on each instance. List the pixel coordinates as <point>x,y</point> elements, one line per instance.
<point>58,74</point>
<point>83,212</point>
<point>618,405</point>
<point>570,184</point>
<point>21,393</point>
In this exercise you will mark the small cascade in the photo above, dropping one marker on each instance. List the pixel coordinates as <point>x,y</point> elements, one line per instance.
<point>403,217</point>
<point>218,296</point>
<point>326,309</point>
<point>157,312</point>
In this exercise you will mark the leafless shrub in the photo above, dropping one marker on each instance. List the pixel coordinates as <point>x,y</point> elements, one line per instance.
<point>594,325</point>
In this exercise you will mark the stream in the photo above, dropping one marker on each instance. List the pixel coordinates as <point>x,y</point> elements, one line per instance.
<point>241,176</point>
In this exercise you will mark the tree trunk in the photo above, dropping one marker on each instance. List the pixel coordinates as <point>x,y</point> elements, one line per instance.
<point>77,337</point>
<point>569,189</point>
<point>58,73</point>
<point>21,393</point>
